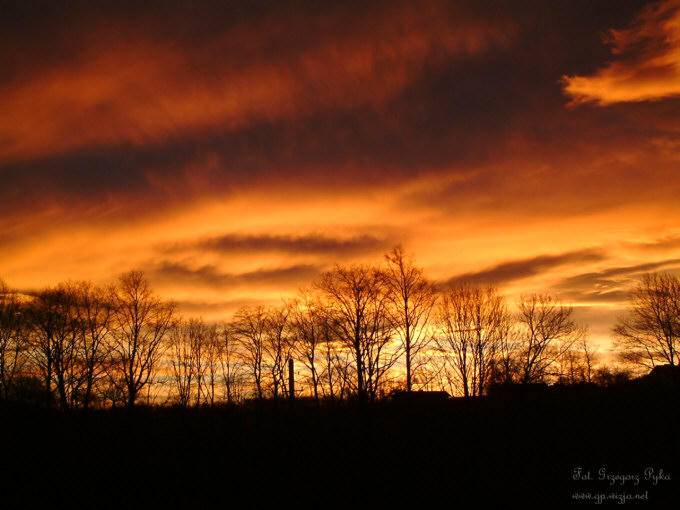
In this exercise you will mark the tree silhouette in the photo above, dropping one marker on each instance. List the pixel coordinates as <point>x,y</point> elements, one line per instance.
<point>357,301</point>
<point>249,326</point>
<point>229,367</point>
<point>413,298</point>
<point>212,354</point>
<point>649,334</point>
<point>55,342</point>
<point>278,346</point>
<point>95,307</point>
<point>577,365</point>
<point>316,346</point>
<point>187,338</point>
<point>14,338</point>
<point>88,344</point>
<point>547,331</point>
<point>470,328</point>
<point>307,322</point>
<point>142,322</point>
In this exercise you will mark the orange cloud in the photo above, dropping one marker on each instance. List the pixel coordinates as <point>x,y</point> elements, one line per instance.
<point>647,65</point>
<point>143,90</point>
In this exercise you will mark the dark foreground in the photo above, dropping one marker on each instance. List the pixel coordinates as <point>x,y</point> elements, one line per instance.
<point>545,449</point>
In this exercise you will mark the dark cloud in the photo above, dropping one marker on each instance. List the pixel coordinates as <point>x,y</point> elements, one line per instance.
<point>222,308</point>
<point>607,297</point>
<point>211,277</point>
<point>469,78</point>
<point>644,67</point>
<point>312,244</point>
<point>662,244</point>
<point>610,285</point>
<point>519,269</point>
<point>572,186</point>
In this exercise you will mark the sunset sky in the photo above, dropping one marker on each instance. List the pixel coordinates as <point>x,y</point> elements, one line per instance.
<point>234,151</point>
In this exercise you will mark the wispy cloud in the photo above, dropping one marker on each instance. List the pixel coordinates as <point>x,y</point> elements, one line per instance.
<point>217,309</point>
<point>520,269</point>
<point>310,244</point>
<point>146,89</point>
<point>667,243</point>
<point>611,285</point>
<point>646,66</point>
<point>212,277</point>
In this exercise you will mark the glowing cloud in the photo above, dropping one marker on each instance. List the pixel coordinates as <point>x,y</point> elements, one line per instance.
<point>144,90</point>
<point>647,65</point>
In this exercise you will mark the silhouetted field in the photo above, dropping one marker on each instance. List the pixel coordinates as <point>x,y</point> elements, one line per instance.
<point>519,445</point>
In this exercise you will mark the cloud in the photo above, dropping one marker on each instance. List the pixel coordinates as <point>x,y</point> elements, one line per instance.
<point>610,285</point>
<point>667,243</point>
<point>121,112</point>
<point>218,309</point>
<point>646,65</point>
<point>139,89</point>
<point>326,98</point>
<point>309,244</point>
<point>209,276</point>
<point>520,269</point>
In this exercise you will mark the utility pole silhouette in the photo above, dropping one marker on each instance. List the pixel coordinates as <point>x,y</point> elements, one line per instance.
<point>291,379</point>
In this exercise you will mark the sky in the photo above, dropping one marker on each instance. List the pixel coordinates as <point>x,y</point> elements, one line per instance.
<point>234,151</point>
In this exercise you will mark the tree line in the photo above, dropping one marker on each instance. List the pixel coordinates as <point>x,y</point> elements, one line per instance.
<point>360,331</point>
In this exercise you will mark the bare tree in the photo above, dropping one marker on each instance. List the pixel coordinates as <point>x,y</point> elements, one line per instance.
<point>95,312</point>
<point>356,301</point>
<point>507,365</point>
<point>471,323</point>
<point>307,322</point>
<point>213,355</point>
<point>201,359</point>
<point>649,335</point>
<point>229,366</point>
<point>142,322</point>
<point>278,347</point>
<point>184,355</point>
<point>340,374</point>
<point>72,326</point>
<point>14,338</point>
<point>55,344</point>
<point>547,331</point>
<point>317,347</point>
<point>576,365</point>
<point>249,328</point>
<point>413,298</point>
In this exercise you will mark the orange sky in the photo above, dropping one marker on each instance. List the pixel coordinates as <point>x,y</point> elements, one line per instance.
<point>234,152</point>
